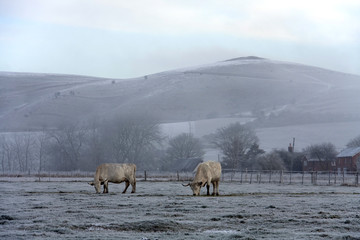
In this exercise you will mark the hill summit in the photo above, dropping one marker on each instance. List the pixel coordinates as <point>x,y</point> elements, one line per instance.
<point>273,93</point>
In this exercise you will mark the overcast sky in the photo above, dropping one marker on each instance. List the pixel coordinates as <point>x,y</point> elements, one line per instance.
<point>122,39</point>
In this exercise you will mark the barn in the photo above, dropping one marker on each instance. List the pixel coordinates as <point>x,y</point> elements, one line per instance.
<point>348,160</point>
<point>314,164</point>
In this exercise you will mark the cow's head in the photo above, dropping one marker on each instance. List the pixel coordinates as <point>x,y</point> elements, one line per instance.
<point>97,186</point>
<point>195,187</point>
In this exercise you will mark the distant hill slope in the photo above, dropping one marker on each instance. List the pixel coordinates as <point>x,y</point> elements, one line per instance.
<point>276,93</point>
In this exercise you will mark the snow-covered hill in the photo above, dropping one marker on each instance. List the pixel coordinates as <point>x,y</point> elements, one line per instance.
<point>276,93</point>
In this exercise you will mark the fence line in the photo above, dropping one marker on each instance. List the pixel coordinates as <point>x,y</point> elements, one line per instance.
<point>262,177</point>
<point>288,177</point>
<point>241,177</point>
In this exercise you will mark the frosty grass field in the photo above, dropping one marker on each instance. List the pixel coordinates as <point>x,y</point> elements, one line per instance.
<point>70,209</point>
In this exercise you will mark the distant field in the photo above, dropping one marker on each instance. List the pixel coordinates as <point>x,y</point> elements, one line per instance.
<point>167,210</point>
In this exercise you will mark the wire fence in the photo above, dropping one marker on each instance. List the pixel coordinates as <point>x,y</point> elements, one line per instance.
<point>262,177</point>
<point>342,178</point>
<point>288,177</point>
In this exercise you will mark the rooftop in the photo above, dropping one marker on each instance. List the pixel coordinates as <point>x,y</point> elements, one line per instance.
<point>349,152</point>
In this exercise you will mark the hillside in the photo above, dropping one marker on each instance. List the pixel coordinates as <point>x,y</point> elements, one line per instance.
<point>272,92</point>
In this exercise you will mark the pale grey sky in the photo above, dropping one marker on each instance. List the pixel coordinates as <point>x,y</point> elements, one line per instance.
<point>122,39</point>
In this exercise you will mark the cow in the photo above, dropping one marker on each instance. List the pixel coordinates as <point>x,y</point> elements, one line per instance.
<point>206,173</point>
<point>115,173</point>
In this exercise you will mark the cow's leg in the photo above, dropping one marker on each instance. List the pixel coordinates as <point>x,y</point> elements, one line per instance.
<point>214,188</point>
<point>106,187</point>
<point>208,189</point>
<point>217,188</point>
<point>126,186</point>
<point>133,185</point>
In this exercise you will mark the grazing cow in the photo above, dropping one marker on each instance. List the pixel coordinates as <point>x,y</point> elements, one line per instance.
<point>115,173</point>
<point>206,173</point>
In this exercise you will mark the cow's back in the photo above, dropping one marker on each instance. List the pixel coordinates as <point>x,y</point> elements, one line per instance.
<point>208,171</point>
<point>215,168</point>
<point>109,171</point>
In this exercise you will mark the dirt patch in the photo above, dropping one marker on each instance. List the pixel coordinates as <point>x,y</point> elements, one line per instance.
<point>140,226</point>
<point>5,219</point>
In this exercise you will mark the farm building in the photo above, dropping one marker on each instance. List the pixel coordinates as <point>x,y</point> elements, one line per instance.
<point>314,164</point>
<point>348,160</point>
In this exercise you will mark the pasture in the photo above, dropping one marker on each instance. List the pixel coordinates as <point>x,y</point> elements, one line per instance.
<point>70,209</point>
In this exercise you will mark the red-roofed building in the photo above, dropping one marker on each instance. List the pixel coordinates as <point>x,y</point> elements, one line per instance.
<point>348,160</point>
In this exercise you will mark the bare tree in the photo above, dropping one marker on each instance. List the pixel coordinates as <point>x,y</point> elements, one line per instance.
<point>2,153</point>
<point>235,141</point>
<point>23,146</point>
<point>41,147</point>
<point>251,156</point>
<point>17,146</point>
<point>184,146</point>
<point>129,137</point>
<point>355,142</point>
<point>67,142</point>
<point>270,161</point>
<point>94,150</point>
<point>8,154</point>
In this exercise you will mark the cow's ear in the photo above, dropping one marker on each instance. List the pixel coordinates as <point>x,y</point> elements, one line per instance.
<point>186,185</point>
<point>91,183</point>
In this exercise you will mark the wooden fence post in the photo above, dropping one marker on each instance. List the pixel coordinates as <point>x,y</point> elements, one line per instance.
<point>145,176</point>
<point>260,178</point>
<point>178,177</point>
<point>357,179</point>
<point>290,176</point>
<point>270,177</point>
<point>302,178</point>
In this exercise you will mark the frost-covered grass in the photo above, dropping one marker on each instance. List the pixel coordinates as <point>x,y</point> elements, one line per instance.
<point>167,210</point>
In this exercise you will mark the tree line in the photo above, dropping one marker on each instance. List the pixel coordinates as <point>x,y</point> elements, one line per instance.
<point>138,139</point>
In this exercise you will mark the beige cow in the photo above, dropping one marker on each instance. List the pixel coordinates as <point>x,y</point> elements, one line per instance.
<point>206,173</point>
<point>115,173</point>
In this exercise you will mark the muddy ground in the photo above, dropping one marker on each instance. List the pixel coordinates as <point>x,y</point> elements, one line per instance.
<point>167,210</point>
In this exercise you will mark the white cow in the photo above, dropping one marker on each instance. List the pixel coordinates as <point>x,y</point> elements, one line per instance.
<point>206,173</point>
<point>115,173</point>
